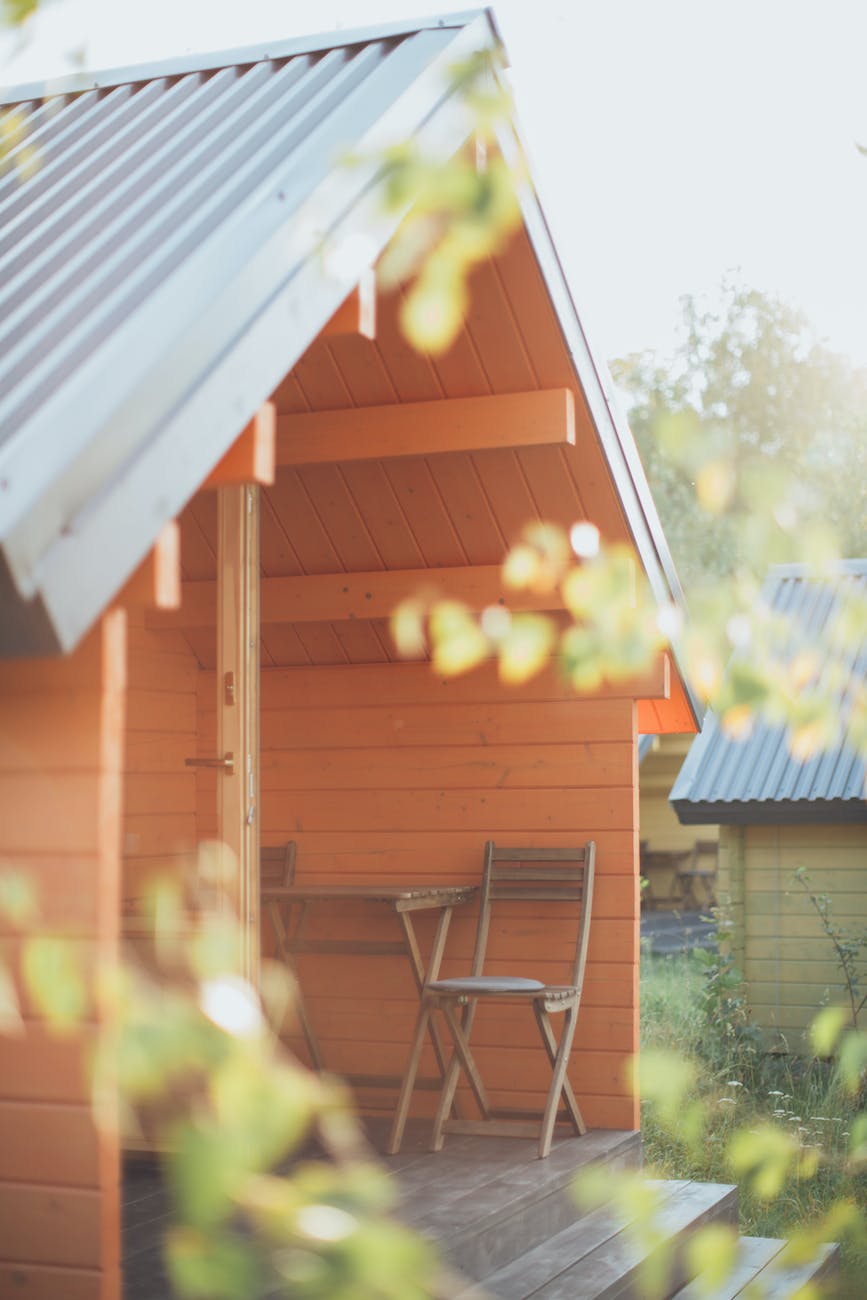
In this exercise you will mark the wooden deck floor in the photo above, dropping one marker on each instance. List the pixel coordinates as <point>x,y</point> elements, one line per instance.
<point>473,1199</point>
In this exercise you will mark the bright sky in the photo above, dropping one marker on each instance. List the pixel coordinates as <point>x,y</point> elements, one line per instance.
<point>672,140</point>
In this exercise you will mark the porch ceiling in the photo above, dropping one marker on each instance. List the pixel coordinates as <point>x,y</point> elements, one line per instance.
<point>423,512</point>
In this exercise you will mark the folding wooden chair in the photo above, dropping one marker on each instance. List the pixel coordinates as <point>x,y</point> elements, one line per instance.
<point>560,876</point>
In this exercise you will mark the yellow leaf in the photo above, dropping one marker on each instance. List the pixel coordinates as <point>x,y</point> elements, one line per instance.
<point>520,567</point>
<point>458,642</point>
<point>407,628</point>
<point>526,647</point>
<point>803,668</point>
<point>737,722</point>
<point>433,312</point>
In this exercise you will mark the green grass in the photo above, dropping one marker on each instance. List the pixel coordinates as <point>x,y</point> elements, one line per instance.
<point>741,1087</point>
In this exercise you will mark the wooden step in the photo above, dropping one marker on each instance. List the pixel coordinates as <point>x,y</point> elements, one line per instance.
<point>758,1261</point>
<point>595,1258</point>
<point>484,1215</point>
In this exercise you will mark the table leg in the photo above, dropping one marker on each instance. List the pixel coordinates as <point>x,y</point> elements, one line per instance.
<point>422,976</point>
<point>284,943</point>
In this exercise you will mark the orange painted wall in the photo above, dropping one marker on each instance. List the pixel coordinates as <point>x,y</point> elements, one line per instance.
<point>159,825</point>
<point>385,773</point>
<point>61,730</point>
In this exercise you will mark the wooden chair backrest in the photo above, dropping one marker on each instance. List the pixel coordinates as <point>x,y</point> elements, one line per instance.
<point>277,865</point>
<point>538,875</point>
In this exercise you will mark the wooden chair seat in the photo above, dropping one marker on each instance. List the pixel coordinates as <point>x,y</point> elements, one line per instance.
<point>483,984</point>
<point>560,876</point>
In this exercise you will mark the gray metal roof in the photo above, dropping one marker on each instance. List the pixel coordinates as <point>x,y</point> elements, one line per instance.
<point>161,271</point>
<point>756,780</point>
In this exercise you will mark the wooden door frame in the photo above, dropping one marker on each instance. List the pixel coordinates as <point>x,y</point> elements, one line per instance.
<point>238,710</point>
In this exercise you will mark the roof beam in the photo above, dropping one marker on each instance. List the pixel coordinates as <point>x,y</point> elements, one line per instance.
<point>464,424</point>
<point>251,457</point>
<point>335,597</point>
<point>357,315</point>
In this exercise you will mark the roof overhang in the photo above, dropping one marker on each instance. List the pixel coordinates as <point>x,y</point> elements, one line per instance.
<point>134,431</point>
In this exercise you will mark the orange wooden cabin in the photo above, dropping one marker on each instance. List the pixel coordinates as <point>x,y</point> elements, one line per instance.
<point>163,366</point>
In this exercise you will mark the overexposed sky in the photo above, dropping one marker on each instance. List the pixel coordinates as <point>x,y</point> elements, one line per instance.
<point>672,140</point>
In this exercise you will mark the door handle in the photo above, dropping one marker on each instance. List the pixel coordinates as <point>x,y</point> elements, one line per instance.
<point>227,763</point>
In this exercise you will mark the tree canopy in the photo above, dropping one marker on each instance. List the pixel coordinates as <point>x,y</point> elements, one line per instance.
<point>752,417</point>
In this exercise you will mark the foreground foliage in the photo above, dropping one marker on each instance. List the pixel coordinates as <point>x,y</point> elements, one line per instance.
<point>787,1129</point>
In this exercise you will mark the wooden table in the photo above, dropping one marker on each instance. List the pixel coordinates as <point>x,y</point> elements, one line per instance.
<point>279,903</point>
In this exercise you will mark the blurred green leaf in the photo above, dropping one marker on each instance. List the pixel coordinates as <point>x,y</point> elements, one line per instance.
<point>214,1266</point>
<point>18,899</point>
<point>53,971</point>
<point>11,1023</point>
<point>825,1030</point>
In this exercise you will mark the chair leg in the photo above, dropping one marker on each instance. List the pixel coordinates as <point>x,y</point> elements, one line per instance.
<point>544,1023</point>
<point>559,1076</point>
<point>461,1057</point>
<point>395,1137</point>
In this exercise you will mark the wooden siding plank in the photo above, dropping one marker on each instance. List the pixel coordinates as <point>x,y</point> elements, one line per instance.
<point>490,326</point>
<point>469,510</point>
<point>423,810</point>
<point>29,741</point>
<point>166,712</point>
<point>413,683</point>
<point>301,524</point>
<point>362,372</point>
<point>360,642</point>
<point>57,1226</point>
<point>445,767</point>
<point>321,643</point>
<point>509,497</point>
<point>423,507</point>
<point>420,724</point>
<point>51,1144</point>
<point>386,521</point>
<point>412,374</point>
<point>46,811</point>
<point>341,518</point>
<point>278,555</point>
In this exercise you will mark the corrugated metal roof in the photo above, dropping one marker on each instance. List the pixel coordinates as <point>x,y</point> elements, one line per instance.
<point>162,273</point>
<point>757,779</point>
<point>164,217</point>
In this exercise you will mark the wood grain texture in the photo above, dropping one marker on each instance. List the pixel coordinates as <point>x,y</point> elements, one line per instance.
<point>386,773</point>
<point>60,820</point>
<point>426,428</point>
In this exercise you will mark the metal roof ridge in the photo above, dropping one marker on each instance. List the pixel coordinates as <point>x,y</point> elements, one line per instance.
<point>210,60</point>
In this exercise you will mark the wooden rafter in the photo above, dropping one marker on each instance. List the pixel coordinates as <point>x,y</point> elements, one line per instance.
<point>357,315</point>
<point>426,428</point>
<point>251,457</point>
<point>156,582</point>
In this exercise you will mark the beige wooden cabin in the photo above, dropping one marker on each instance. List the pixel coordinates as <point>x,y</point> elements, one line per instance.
<point>777,815</point>
<point>216,480</point>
